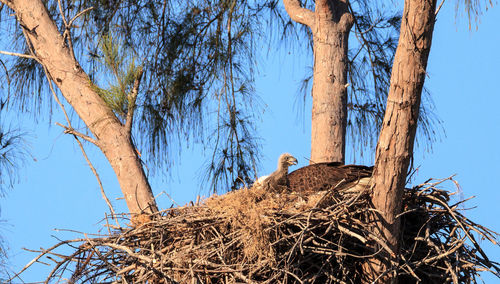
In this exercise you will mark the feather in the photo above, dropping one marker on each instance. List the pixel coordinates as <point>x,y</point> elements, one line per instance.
<point>325,176</point>
<point>278,181</point>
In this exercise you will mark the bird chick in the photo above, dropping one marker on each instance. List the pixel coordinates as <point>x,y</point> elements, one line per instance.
<point>278,180</point>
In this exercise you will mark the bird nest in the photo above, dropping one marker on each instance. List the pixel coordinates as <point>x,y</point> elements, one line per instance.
<point>256,236</point>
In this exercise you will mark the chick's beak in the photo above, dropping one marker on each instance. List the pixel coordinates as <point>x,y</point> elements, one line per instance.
<point>293,161</point>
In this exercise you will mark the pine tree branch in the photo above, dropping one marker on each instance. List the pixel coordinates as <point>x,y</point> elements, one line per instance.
<point>18,54</point>
<point>78,15</point>
<point>59,4</point>
<point>298,13</point>
<point>67,26</point>
<point>439,8</point>
<point>132,97</point>
<point>72,131</point>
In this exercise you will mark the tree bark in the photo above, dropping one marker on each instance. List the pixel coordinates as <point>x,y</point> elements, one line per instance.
<point>330,24</point>
<point>397,136</point>
<point>110,135</point>
<point>329,111</point>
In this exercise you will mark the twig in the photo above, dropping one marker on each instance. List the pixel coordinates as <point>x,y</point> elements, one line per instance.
<point>70,130</point>
<point>471,237</point>
<point>113,214</point>
<point>19,55</point>
<point>78,15</point>
<point>43,252</point>
<point>68,26</point>
<point>439,8</point>
<point>352,234</point>
<point>59,4</point>
<point>129,252</point>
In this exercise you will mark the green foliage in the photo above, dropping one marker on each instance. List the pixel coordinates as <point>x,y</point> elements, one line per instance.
<point>198,58</point>
<point>473,9</point>
<point>13,152</point>
<point>120,66</point>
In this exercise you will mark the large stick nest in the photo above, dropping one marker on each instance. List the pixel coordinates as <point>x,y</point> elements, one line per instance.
<point>254,236</point>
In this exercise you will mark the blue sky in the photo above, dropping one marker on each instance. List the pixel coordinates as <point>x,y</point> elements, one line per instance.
<point>58,190</point>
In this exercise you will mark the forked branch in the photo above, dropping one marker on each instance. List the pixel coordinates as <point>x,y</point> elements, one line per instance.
<point>298,13</point>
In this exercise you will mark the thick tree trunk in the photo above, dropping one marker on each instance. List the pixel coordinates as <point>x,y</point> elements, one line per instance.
<point>329,92</point>
<point>330,23</point>
<point>397,136</point>
<point>110,135</point>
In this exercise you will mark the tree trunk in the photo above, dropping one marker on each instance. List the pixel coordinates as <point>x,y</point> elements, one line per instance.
<point>330,24</point>
<point>397,136</point>
<point>110,135</point>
